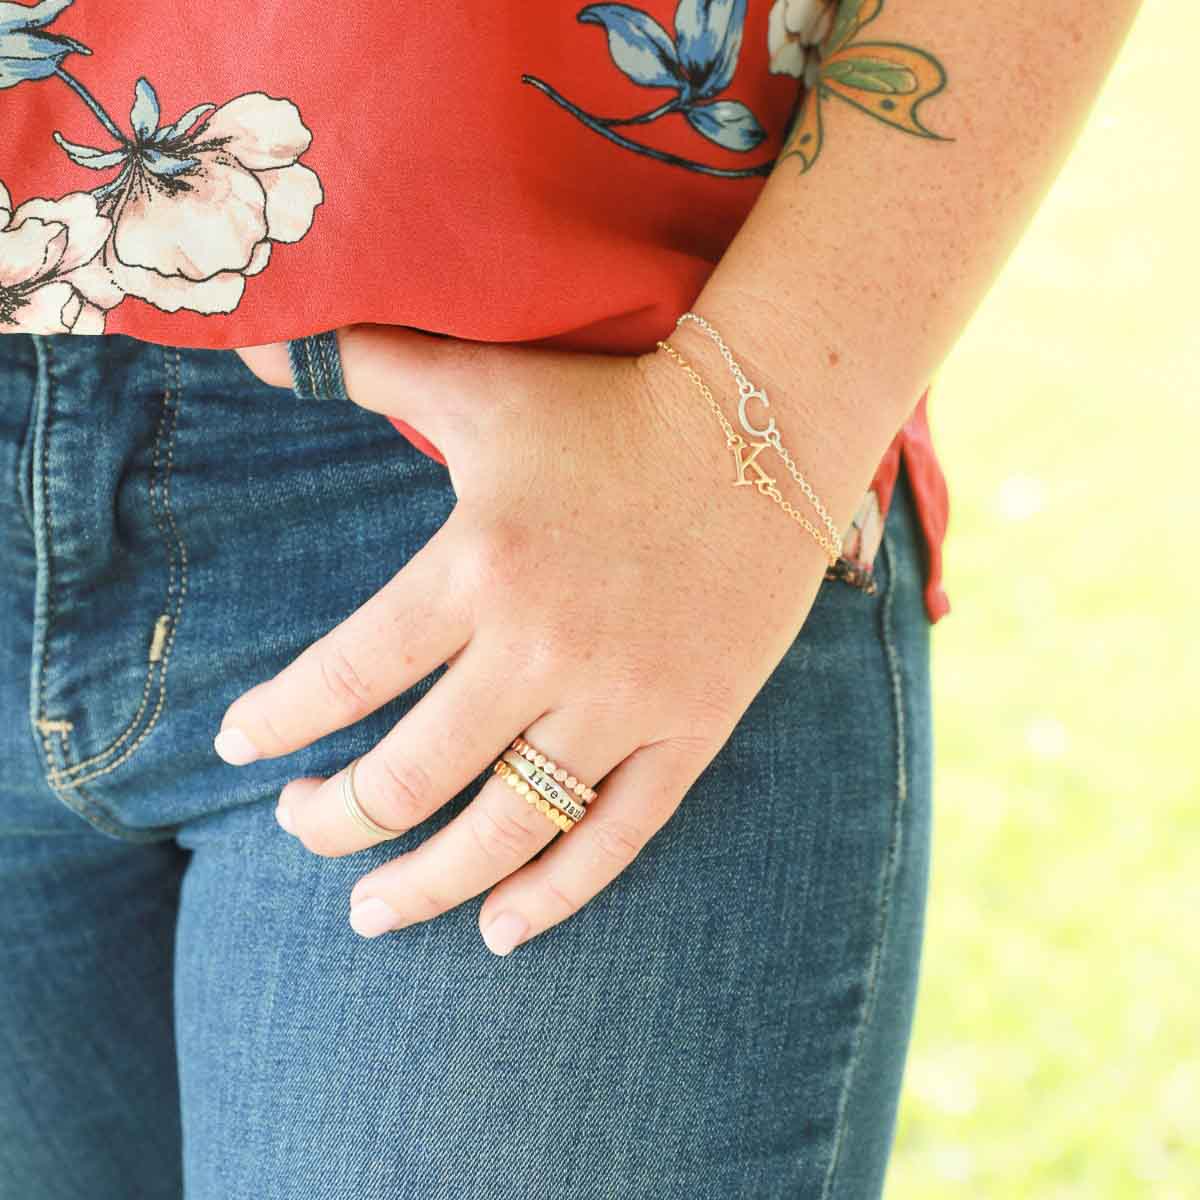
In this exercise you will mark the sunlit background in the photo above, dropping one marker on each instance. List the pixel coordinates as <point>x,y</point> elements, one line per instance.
<point>1057,1045</point>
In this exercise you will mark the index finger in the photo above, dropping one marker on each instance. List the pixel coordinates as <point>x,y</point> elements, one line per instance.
<point>403,632</point>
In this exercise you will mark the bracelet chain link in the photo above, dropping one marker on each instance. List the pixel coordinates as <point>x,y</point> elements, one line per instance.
<point>771,434</point>
<point>735,442</point>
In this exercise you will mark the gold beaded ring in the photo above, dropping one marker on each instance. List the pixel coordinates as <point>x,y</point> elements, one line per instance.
<point>549,788</point>
<point>581,789</point>
<point>521,786</point>
<point>557,794</point>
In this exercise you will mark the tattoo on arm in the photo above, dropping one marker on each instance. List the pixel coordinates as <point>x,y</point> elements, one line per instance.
<point>813,40</point>
<point>888,80</point>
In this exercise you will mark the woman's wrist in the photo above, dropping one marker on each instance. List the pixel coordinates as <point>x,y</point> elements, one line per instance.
<point>836,448</point>
<point>745,519</point>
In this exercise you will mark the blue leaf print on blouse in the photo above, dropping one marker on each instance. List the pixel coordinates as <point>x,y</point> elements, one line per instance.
<point>189,118</point>
<point>729,123</point>
<point>639,45</point>
<point>144,119</point>
<point>89,156</point>
<point>24,52</point>
<point>144,114</point>
<point>697,64</point>
<point>165,165</point>
<point>710,37</point>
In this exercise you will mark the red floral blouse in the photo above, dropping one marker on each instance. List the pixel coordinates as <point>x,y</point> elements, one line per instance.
<point>563,175</point>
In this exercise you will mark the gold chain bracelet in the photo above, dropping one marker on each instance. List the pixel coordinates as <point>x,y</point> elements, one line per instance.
<point>770,433</point>
<point>736,443</point>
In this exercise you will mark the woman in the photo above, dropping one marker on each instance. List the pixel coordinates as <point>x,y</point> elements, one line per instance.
<point>659,549</point>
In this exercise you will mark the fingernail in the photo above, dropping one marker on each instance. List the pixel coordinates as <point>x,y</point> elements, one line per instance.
<point>503,934</point>
<point>234,747</point>
<point>284,817</point>
<point>369,918</point>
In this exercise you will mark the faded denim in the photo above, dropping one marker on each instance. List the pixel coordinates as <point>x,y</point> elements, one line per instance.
<point>184,1009</point>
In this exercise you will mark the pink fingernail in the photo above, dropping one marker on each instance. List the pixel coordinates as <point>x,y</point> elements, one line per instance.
<point>503,934</point>
<point>234,747</point>
<point>284,817</point>
<point>369,918</point>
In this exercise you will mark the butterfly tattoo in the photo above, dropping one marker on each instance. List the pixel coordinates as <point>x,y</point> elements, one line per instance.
<point>888,80</point>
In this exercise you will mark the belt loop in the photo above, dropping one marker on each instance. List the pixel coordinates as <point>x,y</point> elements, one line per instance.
<point>317,367</point>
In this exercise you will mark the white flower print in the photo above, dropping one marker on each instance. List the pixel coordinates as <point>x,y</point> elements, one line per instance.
<point>795,28</point>
<point>51,280</point>
<point>194,208</point>
<point>197,204</point>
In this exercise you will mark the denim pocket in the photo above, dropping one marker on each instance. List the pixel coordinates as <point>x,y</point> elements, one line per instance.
<point>112,565</point>
<point>18,392</point>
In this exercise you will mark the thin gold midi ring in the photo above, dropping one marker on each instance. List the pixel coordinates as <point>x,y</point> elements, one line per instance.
<point>356,811</point>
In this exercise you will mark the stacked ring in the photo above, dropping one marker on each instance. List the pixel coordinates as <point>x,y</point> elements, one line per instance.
<point>519,784</point>
<point>581,789</point>
<point>553,791</point>
<point>546,785</point>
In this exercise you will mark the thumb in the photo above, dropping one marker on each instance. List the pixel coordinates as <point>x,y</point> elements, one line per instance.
<point>430,382</point>
<point>397,371</point>
<point>269,362</point>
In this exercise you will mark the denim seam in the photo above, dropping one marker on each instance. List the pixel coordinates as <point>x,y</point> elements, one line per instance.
<point>27,460</point>
<point>85,808</point>
<point>891,863</point>
<point>323,359</point>
<point>322,365</point>
<point>160,651</point>
<point>335,366</point>
<point>306,348</point>
<point>161,507</point>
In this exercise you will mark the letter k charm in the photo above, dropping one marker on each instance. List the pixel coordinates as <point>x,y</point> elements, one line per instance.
<point>765,482</point>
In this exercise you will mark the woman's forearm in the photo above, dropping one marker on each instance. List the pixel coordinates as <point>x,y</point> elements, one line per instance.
<point>850,280</point>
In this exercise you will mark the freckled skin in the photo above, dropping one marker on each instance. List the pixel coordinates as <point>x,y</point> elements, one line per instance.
<point>676,589</point>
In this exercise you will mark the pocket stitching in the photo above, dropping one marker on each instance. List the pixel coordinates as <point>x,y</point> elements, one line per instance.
<point>76,774</point>
<point>891,865</point>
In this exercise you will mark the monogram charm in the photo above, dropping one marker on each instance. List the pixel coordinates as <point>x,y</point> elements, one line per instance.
<point>769,436</point>
<point>765,482</point>
<point>747,391</point>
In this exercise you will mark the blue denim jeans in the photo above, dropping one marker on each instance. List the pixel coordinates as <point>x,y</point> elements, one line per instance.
<point>184,1008</point>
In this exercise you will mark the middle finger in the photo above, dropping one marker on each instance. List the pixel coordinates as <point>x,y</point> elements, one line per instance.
<point>442,743</point>
<point>495,835</point>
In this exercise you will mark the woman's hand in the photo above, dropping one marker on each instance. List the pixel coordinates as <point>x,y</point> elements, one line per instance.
<point>600,588</point>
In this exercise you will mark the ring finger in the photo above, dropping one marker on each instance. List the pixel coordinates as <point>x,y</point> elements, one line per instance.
<point>497,833</point>
<point>436,749</point>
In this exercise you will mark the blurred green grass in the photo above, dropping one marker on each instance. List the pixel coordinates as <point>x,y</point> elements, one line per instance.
<point>1056,1052</point>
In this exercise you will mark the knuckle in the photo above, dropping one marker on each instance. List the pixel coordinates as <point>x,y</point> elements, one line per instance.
<point>274,733</point>
<point>501,836</point>
<point>617,843</point>
<point>500,556</point>
<point>342,681</point>
<point>530,657</point>
<point>255,713</point>
<point>401,792</point>
<point>559,900</point>
<point>421,904</point>
<point>261,722</point>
